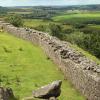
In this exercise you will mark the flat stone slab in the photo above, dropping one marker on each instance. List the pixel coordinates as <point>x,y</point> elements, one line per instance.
<point>48,91</point>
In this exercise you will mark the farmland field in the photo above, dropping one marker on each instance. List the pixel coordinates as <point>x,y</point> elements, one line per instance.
<point>24,67</point>
<point>77,17</point>
<point>96,27</point>
<point>20,12</point>
<point>35,22</point>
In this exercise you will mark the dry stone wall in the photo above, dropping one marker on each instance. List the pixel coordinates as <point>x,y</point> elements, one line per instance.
<point>81,71</point>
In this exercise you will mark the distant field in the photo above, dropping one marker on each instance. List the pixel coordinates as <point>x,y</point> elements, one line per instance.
<point>35,22</point>
<point>24,67</point>
<point>77,17</point>
<point>96,27</point>
<point>20,12</point>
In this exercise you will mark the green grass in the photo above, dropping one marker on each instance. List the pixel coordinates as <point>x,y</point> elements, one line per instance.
<point>24,67</point>
<point>94,27</point>
<point>20,12</point>
<point>77,17</point>
<point>35,22</point>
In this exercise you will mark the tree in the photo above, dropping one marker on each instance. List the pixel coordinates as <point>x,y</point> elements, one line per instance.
<point>16,20</point>
<point>55,30</point>
<point>3,10</point>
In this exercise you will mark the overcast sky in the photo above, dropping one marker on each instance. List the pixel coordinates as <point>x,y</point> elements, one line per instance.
<point>46,2</point>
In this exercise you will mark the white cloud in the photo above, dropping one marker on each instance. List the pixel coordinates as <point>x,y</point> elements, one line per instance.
<point>46,2</point>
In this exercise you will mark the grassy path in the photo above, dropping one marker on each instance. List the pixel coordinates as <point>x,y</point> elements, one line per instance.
<point>25,67</point>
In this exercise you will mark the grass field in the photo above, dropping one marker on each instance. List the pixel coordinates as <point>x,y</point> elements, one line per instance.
<point>94,27</point>
<point>20,12</point>
<point>77,17</point>
<point>24,67</point>
<point>35,22</point>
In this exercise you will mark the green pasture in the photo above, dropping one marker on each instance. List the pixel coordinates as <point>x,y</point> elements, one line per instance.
<point>95,27</point>
<point>20,12</point>
<point>36,22</point>
<point>77,17</point>
<point>25,67</point>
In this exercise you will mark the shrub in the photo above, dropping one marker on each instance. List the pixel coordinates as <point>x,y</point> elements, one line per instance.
<point>56,30</point>
<point>79,25</point>
<point>16,20</point>
<point>69,30</point>
<point>41,28</point>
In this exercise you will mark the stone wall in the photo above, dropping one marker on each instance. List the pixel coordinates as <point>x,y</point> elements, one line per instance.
<point>81,71</point>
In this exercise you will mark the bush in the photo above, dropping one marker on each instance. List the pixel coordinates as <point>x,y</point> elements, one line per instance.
<point>75,37</point>
<point>92,44</point>
<point>56,30</point>
<point>69,30</point>
<point>16,20</point>
<point>89,42</point>
<point>79,25</point>
<point>41,28</point>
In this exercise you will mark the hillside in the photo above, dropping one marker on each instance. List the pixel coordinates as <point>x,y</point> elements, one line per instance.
<point>70,40</point>
<point>24,67</point>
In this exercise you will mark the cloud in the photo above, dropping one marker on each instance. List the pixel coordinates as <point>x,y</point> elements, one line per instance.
<point>46,2</point>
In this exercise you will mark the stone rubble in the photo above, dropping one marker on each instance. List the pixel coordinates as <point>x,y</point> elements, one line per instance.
<point>6,93</point>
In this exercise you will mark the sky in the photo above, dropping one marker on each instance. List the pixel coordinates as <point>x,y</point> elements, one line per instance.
<point>46,2</point>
